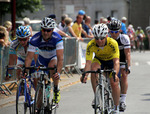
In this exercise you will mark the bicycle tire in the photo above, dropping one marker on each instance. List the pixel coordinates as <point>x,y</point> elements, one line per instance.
<point>38,101</point>
<point>98,109</point>
<point>21,105</point>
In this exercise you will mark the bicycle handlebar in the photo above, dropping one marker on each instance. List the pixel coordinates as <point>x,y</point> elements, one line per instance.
<point>43,68</point>
<point>99,71</point>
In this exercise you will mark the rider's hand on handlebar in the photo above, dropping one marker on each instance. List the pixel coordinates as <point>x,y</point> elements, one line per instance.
<point>83,78</point>
<point>56,76</point>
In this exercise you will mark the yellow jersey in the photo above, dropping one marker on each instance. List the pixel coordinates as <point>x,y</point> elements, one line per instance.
<point>106,53</point>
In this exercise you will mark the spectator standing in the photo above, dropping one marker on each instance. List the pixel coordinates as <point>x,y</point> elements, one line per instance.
<point>56,29</point>
<point>77,27</point>
<point>4,36</point>
<point>68,29</point>
<point>26,21</point>
<point>101,19</point>
<point>61,25</point>
<point>87,27</point>
<point>123,25</point>
<point>8,26</point>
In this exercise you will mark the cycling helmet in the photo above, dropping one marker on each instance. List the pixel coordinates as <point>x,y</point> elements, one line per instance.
<point>100,30</point>
<point>48,23</point>
<point>23,32</point>
<point>139,28</point>
<point>114,25</point>
<point>148,28</point>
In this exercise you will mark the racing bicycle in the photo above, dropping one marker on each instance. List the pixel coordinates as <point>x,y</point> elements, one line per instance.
<point>43,102</point>
<point>25,91</point>
<point>103,96</point>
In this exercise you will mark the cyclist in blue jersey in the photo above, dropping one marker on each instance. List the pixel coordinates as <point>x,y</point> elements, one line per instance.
<point>50,45</point>
<point>18,49</point>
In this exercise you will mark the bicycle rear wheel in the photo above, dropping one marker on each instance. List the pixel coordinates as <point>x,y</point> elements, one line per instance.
<point>21,99</point>
<point>38,101</point>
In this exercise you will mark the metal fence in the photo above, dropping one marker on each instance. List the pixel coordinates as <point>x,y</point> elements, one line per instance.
<point>3,63</point>
<point>74,54</point>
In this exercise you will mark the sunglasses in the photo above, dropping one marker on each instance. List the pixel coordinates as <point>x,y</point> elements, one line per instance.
<point>114,32</point>
<point>22,39</point>
<point>101,38</point>
<point>46,30</point>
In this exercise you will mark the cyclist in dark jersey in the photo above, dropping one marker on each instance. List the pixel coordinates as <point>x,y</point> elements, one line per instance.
<point>124,47</point>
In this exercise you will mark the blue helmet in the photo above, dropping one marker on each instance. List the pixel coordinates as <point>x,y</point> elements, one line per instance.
<point>23,32</point>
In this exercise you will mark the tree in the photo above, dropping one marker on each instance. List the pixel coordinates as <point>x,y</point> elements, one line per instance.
<point>21,7</point>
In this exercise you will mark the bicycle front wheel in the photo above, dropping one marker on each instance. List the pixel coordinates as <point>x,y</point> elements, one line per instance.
<point>38,101</point>
<point>21,99</point>
<point>99,100</point>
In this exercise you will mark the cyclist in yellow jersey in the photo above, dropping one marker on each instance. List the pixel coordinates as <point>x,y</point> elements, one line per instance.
<point>106,55</point>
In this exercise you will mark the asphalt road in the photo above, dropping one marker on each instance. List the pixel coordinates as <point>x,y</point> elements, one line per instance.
<point>76,99</point>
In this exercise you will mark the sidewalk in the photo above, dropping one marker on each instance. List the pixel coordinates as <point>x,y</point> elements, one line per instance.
<point>64,82</point>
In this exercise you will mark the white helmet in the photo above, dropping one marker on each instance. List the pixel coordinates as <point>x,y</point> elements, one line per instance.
<point>48,23</point>
<point>148,28</point>
<point>100,30</point>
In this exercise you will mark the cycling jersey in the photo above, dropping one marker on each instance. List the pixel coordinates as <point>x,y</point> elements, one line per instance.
<point>106,53</point>
<point>47,49</point>
<point>124,43</point>
<point>17,49</point>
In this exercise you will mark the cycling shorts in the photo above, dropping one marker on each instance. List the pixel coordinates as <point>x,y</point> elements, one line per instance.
<point>104,64</point>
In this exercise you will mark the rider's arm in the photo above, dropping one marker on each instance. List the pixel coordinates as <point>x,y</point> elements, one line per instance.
<point>87,66</point>
<point>128,56</point>
<point>116,65</point>
<point>30,55</point>
<point>29,58</point>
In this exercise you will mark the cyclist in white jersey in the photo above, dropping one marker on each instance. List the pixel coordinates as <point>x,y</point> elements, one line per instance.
<point>50,46</point>
<point>125,53</point>
<point>18,49</point>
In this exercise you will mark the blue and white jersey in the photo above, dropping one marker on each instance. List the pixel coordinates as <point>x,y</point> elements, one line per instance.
<point>17,49</point>
<point>47,49</point>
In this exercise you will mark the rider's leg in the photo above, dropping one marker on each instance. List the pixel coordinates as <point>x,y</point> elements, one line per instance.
<point>56,97</point>
<point>124,85</point>
<point>94,76</point>
<point>52,63</point>
<point>115,92</point>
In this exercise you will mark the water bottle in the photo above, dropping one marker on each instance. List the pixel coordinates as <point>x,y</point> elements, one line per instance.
<point>48,91</point>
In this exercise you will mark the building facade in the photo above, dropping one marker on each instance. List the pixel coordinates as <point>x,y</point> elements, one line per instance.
<point>136,11</point>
